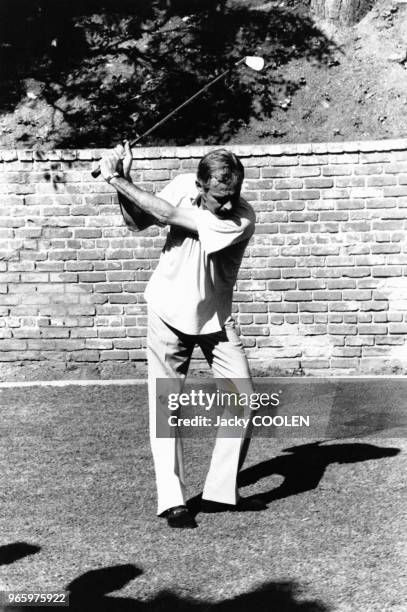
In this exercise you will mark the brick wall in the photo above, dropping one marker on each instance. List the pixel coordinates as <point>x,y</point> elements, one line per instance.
<point>322,289</point>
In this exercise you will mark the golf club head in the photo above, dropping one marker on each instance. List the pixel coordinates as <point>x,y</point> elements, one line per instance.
<point>255,62</point>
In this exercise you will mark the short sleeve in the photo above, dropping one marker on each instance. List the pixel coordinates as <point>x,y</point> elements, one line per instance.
<point>180,187</point>
<point>216,234</point>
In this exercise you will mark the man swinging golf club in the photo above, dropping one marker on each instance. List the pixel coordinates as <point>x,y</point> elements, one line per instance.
<point>189,299</point>
<point>189,302</point>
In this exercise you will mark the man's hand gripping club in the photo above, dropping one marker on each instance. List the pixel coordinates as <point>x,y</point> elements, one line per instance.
<point>115,167</point>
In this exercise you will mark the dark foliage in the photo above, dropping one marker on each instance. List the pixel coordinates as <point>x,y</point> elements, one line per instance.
<point>112,68</point>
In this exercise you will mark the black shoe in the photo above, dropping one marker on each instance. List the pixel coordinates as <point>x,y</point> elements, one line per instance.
<point>180,517</point>
<point>244,504</point>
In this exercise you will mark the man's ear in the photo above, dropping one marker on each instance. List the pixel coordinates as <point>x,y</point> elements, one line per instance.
<point>199,185</point>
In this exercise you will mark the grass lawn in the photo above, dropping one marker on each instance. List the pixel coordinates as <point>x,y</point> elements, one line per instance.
<point>78,508</point>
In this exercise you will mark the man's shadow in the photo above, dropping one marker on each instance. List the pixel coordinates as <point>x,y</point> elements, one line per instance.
<point>9,553</point>
<point>305,466</point>
<point>91,591</point>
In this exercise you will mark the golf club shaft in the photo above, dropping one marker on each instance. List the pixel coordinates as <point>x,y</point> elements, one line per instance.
<point>96,172</point>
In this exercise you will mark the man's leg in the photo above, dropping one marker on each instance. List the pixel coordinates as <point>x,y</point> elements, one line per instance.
<point>168,354</point>
<point>225,353</point>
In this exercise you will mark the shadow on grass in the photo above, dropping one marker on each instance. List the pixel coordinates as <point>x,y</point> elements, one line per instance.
<point>90,592</point>
<point>304,468</point>
<point>9,553</point>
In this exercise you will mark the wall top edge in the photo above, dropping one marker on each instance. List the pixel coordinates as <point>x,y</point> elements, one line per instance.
<point>243,150</point>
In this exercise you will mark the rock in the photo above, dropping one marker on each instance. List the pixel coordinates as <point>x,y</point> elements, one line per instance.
<point>399,57</point>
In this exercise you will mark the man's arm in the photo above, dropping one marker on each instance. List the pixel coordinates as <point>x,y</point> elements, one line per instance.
<point>163,211</point>
<point>134,197</point>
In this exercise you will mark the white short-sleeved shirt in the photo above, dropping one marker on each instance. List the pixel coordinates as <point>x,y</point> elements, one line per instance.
<point>192,286</point>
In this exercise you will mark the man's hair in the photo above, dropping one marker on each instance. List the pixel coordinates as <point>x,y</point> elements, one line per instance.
<point>222,165</point>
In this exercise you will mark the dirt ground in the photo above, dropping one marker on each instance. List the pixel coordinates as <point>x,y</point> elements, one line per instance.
<point>361,94</point>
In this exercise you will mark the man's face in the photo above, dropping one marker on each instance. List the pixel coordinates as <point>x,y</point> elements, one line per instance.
<point>218,197</point>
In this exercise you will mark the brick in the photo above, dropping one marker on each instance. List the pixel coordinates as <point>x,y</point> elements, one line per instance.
<point>253,307</point>
<point>308,194</point>
<point>264,296</point>
<point>311,284</point>
<point>122,275</point>
<point>358,341</point>
<point>350,317</point>
<point>318,183</point>
<point>385,248</point>
<point>395,191</point>
<point>374,158</point>
<point>381,181</point>
<point>313,160</point>
<point>394,317</point>
<point>327,295</point>
<point>333,216</point>
<point>85,355</point>
<point>316,364</point>
<point>387,271</point>
<point>258,184</point>
<point>285,160</point>
<point>275,172</point>
<point>83,332</point>
<point>306,318</point>
<point>254,330</point>
<point>357,272</point>
<point>398,328</point>
<point>344,306</point>
<point>288,183</point>
<point>108,287</point>
<point>390,340</point>
<point>357,294</point>
<point>298,296</point>
<point>267,228</point>
<point>314,330</point>
<point>288,228</point>
<point>291,205</point>
<point>344,363</point>
<point>349,181</point>
<point>272,217</point>
<point>374,305</point>
<point>371,169</point>
<point>301,172</point>
<point>348,204</point>
<point>337,170</point>
<point>372,329</point>
<point>275,195</point>
<point>320,228</point>
<point>280,285</point>
<point>339,261</point>
<point>303,216</point>
<point>344,158</point>
<point>296,273</point>
<point>119,355</point>
<point>157,175</point>
<point>282,307</point>
<point>347,351</point>
<point>13,345</point>
<point>342,329</point>
<point>341,283</point>
<point>294,251</point>
<point>380,317</point>
<point>91,254</point>
<point>123,298</point>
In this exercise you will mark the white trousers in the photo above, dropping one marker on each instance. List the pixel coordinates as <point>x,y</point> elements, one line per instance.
<point>169,353</point>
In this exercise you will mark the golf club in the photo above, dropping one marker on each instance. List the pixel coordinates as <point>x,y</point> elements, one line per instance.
<point>252,61</point>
